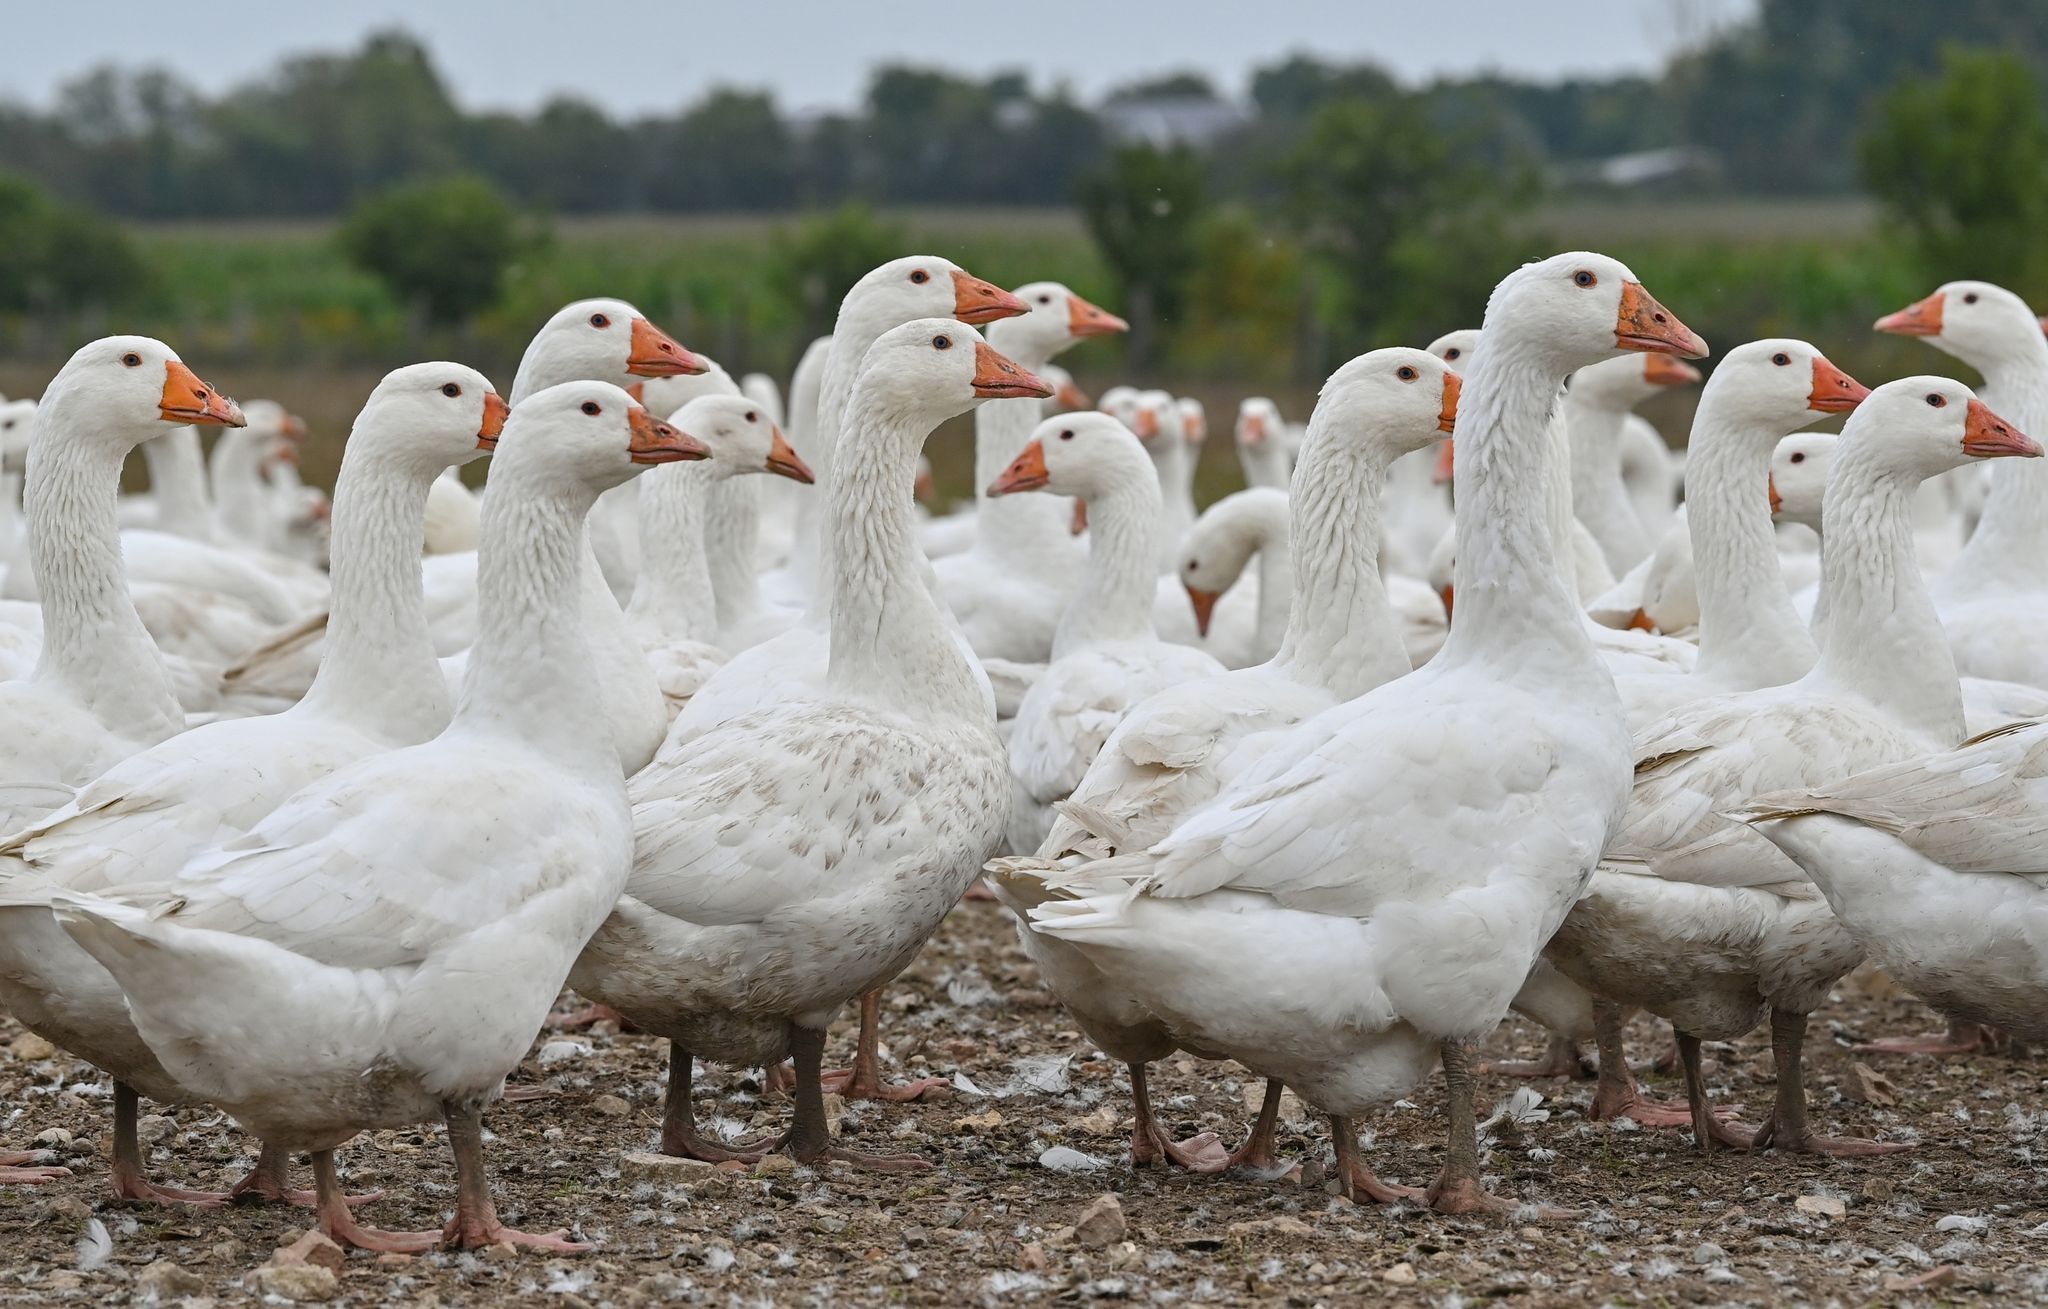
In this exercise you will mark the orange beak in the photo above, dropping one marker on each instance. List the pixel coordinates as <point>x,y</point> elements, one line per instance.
<point>186,399</point>
<point>996,378</point>
<point>1987,436</point>
<point>1027,472</point>
<point>1447,595</point>
<point>1921,318</point>
<point>976,302</point>
<point>1255,430</point>
<point>1777,501</point>
<point>783,460</point>
<point>656,354</point>
<point>1084,319</point>
<point>1834,391</point>
<point>1080,520</point>
<point>656,442</point>
<point>1070,396</point>
<point>638,390</point>
<point>1639,621</point>
<point>1663,370</point>
<point>1145,425</point>
<point>294,428</point>
<point>2044,324</point>
<point>1447,417</point>
<point>495,410</point>
<point>1446,463</point>
<point>1205,607</point>
<point>1643,324</point>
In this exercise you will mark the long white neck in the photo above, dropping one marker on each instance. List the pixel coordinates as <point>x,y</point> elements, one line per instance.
<point>177,482</point>
<point>1174,464</point>
<point>1276,585</point>
<point>1750,635</point>
<point>1264,464</point>
<point>379,668</point>
<point>1563,524</point>
<point>1600,497</point>
<point>94,645</point>
<point>810,558</point>
<point>238,492</point>
<point>1115,601</point>
<point>732,529</point>
<point>890,642</point>
<point>672,596</point>
<point>2004,554</point>
<point>529,675</point>
<point>1883,641</point>
<point>1513,522</point>
<point>1341,630</point>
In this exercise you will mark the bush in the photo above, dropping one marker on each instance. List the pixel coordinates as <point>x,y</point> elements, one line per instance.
<point>443,246</point>
<point>59,256</point>
<point>817,264</point>
<point>1145,209</point>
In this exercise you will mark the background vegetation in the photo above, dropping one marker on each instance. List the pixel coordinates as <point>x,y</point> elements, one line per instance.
<point>1834,159</point>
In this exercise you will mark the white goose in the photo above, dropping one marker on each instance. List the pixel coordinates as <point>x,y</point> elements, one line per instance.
<point>1596,405</point>
<point>1177,749</point>
<point>1009,589</point>
<point>1695,916</point>
<point>99,691</point>
<point>1106,656</point>
<point>1381,884</point>
<point>380,949</point>
<point>1247,525</point>
<point>1992,600</point>
<point>1261,454</point>
<point>674,610</point>
<point>799,855</point>
<point>379,688</point>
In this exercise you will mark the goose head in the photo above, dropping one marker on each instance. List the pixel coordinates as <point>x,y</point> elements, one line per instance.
<point>1153,415</point>
<point>1921,426</point>
<point>1799,476</point>
<point>930,369</point>
<point>606,339</point>
<point>927,286</point>
<point>1778,385</point>
<point>1193,421</point>
<point>590,434</point>
<point>1622,383</point>
<point>1258,421</point>
<point>438,415</point>
<point>17,417</point>
<point>741,438</point>
<point>1082,455</point>
<point>1120,403</point>
<point>1067,394</point>
<point>1982,324</point>
<point>1455,348</point>
<point>1397,400</point>
<point>1578,308</point>
<point>126,389</point>
<point>1220,546</point>
<point>1054,318</point>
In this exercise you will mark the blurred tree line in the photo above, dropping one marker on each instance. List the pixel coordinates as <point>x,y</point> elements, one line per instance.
<point>1333,210</point>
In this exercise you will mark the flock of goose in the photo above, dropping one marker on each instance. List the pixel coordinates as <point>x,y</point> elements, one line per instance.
<point>313,811</point>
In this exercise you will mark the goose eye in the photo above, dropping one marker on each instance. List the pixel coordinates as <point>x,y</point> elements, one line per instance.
<point>1453,353</point>
<point>1045,299</point>
<point>753,417</point>
<point>1584,278</point>
<point>1406,373</point>
<point>920,277</point>
<point>1799,458</point>
<point>1068,435</point>
<point>1970,298</point>
<point>600,320</point>
<point>132,360</point>
<point>1936,399</point>
<point>592,408</point>
<point>1781,359</point>
<point>942,343</point>
<point>451,390</point>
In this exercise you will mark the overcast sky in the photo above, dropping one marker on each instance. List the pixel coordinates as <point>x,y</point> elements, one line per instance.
<point>817,54</point>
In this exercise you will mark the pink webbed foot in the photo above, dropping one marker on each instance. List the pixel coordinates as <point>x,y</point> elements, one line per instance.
<point>25,1168</point>
<point>1464,1195</point>
<point>345,1231</point>
<point>1959,1039</point>
<point>130,1184</point>
<point>577,1020</point>
<point>1769,1136</point>
<point>467,1232</point>
<point>849,1084</point>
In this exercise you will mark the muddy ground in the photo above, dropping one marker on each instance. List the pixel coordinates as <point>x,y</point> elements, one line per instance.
<point>1953,1221</point>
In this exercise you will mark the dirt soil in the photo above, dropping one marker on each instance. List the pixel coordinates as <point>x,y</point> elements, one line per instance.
<point>1960,1219</point>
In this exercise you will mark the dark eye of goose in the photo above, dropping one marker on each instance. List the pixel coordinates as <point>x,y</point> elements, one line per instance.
<point>451,390</point>
<point>592,408</point>
<point>1584,278</point>
<point>942,343</point>
<point>132,360</point>
<point>1799,457</point>
<point>753,417</point>
<point>1936,399</point>
<point>1781,359</point>
<point>1453,353</point>
<point>1068,435</point>
<point>920,277</point>
<point>1969,297</point>
<point>599,320</point>
<point>1406,372</point>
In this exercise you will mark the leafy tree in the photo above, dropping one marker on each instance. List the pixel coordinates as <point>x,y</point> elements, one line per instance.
<point>732,150</point>
<point>570,157</point>
<point>1960,163</point>
<point>58,256</point>
<point>1396,210</point>
<point>1301,84</point>
<point>443,246</point>
<point>819,261</point>
<point>1144,208</point>
<point>1171,86</point>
